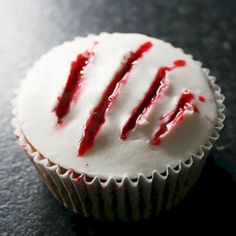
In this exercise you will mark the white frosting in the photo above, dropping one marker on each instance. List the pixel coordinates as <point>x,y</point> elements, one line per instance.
<point>110,156</point>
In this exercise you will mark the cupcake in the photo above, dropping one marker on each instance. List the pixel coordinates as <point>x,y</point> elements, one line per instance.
<point>118,125</point>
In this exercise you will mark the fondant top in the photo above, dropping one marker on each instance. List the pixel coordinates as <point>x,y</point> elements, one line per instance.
<point>116,105</point>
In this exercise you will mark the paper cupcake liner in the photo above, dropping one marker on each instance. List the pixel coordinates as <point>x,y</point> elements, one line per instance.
<point>128,199</point>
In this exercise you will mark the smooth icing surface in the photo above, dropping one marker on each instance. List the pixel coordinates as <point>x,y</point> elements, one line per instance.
<point>141,101</point>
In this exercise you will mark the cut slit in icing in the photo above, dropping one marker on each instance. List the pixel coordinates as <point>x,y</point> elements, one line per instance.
<point>175,116</point>
<point>72,85</point>
<point>97,116</point>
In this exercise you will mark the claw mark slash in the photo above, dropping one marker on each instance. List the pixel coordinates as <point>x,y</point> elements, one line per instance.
<point>73,84</point>
<point>176,115</point>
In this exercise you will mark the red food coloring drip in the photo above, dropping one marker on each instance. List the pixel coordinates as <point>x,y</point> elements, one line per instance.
<point>72,85</point>
<point>154,92</point>
<point>179,63</point>
<point>201,99</point>
<point>175,116</point>
<point>97,116</point>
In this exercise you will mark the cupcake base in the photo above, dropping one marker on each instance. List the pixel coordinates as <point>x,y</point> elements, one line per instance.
<point>128,199</point>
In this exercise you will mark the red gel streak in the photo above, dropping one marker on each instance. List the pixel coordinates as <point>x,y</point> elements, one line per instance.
<point>154,92</point>
<point>97,116</point>
<point>201,99</point>
<point>175,116</point>
<point>179,63</point>
<point>72,85</point>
